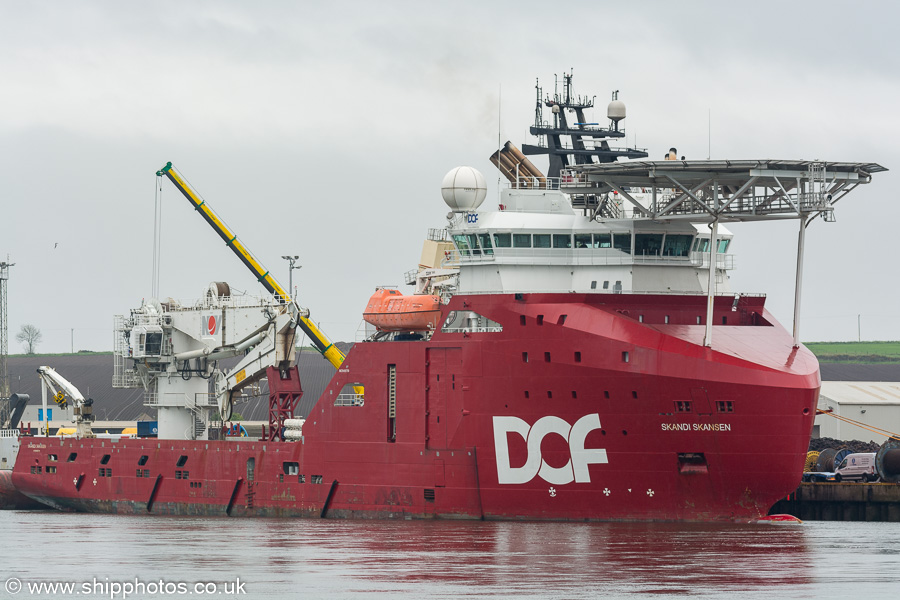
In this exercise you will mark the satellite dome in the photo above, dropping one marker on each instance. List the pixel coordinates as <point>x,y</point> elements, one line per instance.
<point>616,110</point>
<point>463,189</point>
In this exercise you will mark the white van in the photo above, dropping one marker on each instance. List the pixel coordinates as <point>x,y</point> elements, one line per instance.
<point>857,467</point>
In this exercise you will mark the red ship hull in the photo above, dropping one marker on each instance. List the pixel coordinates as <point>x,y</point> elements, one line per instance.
<point>584,407</point>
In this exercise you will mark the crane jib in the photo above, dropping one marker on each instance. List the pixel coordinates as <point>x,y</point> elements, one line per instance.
<point>227,236</point>
<point>322,343</point>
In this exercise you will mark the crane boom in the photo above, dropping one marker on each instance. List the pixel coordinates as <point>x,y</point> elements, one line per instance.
<point>60,388</point>
<point>318,338</point>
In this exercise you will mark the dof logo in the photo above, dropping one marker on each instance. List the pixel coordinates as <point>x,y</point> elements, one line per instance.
<point>210,324</point>
<point>535,465</point>
<point>471,217</point>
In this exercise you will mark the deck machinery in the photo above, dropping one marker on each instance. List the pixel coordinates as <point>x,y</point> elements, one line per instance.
<point>172,348</point>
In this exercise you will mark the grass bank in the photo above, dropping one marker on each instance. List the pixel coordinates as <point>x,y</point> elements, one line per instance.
<point>856,352</point>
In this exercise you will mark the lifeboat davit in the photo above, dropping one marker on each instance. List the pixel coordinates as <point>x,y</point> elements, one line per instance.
<point>389,310</point>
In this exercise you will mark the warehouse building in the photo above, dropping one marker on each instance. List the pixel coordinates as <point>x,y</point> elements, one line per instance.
<point>857,410</point>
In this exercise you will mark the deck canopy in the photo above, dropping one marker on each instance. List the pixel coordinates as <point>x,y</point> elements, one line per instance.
<point>715,190</point>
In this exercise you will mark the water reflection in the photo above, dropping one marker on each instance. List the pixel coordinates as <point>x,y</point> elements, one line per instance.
<point>358,559</point>
<point>572,560</point>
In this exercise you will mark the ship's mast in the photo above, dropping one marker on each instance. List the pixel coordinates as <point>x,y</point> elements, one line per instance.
<point>587,141</point>
<point>4,330</point>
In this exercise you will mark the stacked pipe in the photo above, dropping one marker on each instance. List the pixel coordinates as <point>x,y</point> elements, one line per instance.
<point>517,168</point>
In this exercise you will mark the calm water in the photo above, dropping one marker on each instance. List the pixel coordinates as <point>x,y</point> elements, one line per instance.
<point>277,558</point>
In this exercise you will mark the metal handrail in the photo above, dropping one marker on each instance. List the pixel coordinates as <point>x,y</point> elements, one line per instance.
<point>587,256</point>
<point>349,400</point>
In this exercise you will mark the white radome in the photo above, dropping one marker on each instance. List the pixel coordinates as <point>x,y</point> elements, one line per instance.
<point>463,189</point>
<point>616,110</point>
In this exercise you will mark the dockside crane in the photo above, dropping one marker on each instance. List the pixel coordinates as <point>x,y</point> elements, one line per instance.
<point>62,392</point>
<point>301,316</point>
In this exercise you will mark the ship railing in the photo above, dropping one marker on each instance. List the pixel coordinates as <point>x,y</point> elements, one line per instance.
<point>236,301</point>
<point>438,235</point>
<point>451,259</point>
<point>9,433</point>
<point>365,331</point>
<point>612,291</point>
<point>723,261</point>
<point>176,399</point>
<point>206,399</point>
<point>534,183</point>
<point>349,400</point>
<point>583,256</point>
<point>411,276</point>
<point>497,329</point>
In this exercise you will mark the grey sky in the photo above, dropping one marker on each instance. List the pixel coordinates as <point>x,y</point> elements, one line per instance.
<point>324,129</point>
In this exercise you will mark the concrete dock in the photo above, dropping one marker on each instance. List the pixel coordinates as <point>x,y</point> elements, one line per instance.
<point>842,502</point>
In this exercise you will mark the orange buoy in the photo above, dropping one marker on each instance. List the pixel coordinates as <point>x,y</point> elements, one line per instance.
<point>389,310</point>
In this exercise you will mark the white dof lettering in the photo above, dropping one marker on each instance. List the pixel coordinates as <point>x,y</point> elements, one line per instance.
<point>580,457</point>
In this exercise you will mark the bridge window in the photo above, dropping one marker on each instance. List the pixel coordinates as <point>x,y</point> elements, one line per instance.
<point>622,241</point>
<point>462,244</point>
<point>542,240</point>
<point>677,245</point>
<point>702,245</point>
<point>154,343</point>
<point>503,240</point>
<point>484,240</point>
<point>521,240</point>
<point>473,243</point>
<point>583,240</point>
<point>602,240</point>
<point>562,241</point>
<point>647,244</point>
<point>723,246</point>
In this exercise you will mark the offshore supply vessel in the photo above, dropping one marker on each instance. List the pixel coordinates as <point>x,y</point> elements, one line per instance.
<point>573,353</point>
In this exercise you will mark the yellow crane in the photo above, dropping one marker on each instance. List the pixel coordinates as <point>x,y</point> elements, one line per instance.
<point>319,339</point>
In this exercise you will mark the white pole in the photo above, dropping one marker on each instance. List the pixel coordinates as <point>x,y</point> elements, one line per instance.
<point>798,283</point>
<point>45,425</point>
<point>711,286</point>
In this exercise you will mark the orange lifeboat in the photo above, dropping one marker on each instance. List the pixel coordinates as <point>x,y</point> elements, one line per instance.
<point>389,310</point>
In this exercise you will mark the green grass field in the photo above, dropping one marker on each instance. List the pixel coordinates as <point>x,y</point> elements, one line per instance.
<point>857,352</point>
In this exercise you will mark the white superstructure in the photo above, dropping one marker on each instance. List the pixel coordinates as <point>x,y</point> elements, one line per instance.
<point>538,242</point>
<point>173,348</point>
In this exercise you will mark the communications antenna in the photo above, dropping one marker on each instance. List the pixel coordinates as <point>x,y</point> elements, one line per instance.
<point>4,330</point>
